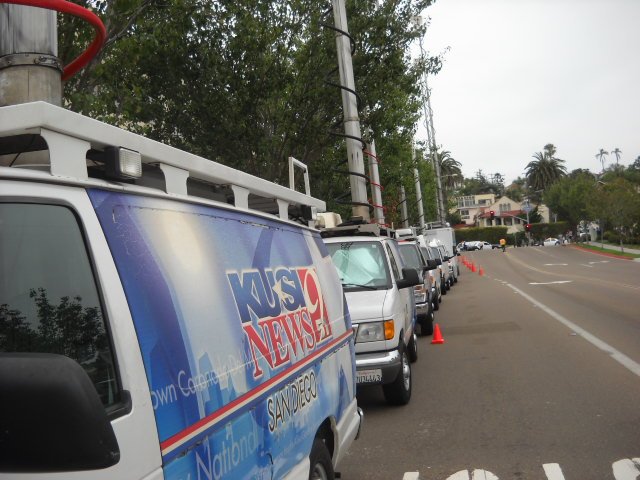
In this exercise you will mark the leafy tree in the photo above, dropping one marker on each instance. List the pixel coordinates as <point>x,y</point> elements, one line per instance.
<point>516,190</point>
<point>618,204</point>
<point>570,198</point>
<point>545,169</point>
<point>247,83</point>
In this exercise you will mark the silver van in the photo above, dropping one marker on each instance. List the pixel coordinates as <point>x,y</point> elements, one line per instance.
<point>380,296</point>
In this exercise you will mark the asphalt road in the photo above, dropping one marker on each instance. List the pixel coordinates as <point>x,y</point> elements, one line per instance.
<point>538,378</point>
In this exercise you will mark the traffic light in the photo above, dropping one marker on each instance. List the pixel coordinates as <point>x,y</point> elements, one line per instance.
<point>527,227</point>
<point>492,214</point>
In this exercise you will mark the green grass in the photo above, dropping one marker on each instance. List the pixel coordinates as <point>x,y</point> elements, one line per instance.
<point>598,248</point>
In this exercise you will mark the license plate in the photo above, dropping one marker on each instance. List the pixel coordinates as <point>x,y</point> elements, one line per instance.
<point>369,376</point>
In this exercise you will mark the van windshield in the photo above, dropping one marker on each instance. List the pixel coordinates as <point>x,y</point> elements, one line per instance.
<point>360,265</point>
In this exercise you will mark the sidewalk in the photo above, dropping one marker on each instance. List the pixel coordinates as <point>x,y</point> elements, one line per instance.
<point>609,246</point>
<point>610,250</point>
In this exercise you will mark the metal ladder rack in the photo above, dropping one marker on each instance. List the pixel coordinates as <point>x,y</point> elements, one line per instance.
<point>70,136</point>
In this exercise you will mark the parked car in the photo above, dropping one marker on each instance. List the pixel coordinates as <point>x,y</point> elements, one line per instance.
<point>157,331</point>
<point>548,242</point>
<point>379,291</point>
<point>423,292</point>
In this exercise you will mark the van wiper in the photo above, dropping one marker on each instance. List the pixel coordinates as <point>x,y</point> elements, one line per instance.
<point>369,287</point>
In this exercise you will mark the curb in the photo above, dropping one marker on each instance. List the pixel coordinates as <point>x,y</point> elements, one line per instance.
<point>604,254</point>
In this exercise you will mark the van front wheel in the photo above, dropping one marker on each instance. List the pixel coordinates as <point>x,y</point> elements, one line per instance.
<point>399,392</point>
<point>320,460</point>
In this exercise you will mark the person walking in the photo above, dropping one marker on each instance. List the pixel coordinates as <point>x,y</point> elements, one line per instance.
<point>503,244</point>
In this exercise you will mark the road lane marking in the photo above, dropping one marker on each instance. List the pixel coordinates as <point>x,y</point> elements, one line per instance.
<point>585,265</point>
<point>618,356</point>
<point>553,471</point>
<point>550,283</point>
<point>475,475</point>
<point>556,264</point>
<point>411,476</point>
<point>626,469</point>
<point>596,281</point>
<point>601,261</point>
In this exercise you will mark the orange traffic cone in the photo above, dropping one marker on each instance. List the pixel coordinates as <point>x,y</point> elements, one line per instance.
<point>437,336</point>
<point>473,267</point>
<point>481,271</point>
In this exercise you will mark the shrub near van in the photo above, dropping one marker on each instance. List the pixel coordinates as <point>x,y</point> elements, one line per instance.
<point>174,336</point>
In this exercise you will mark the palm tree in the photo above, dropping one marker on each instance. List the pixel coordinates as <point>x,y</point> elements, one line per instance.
<point>545,169</point>
<point>600,156</point>
<point>450,171</point>
<point>617,153</point>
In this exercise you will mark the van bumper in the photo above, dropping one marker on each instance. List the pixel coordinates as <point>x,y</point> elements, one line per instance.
<point>388,362</point>
<point>422,309</point>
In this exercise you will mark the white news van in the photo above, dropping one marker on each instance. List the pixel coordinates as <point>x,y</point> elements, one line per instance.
<point>153,324</point>
<point>379,291</point>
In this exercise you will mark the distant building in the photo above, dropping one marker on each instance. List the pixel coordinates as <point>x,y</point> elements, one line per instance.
<point>470,206</point>
<point>509,213</point>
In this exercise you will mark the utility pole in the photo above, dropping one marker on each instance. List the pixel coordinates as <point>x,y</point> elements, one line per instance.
<point>29,66</point>
<point>431,139</point>
<point>351,121</point>
<point>403,208</point>
<point>376,188</point>
<point>416,175</point>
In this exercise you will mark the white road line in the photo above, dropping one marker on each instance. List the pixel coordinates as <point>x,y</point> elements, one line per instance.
<point>411,476</point>
<point>556,264</point>
<point>618,356</point>
<point>585,265</point>
<point>601,261</point>
<point>553,471</point>
<point>550,283</point>
<point>475,475</point>
<point>626,469</point>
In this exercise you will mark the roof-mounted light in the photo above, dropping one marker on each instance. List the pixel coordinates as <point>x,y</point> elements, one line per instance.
<point>122,164</point>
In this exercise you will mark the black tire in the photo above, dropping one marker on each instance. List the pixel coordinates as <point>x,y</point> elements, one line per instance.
<point>321,467</point>
<point>399,392</point>
<point>426,327</point>
<point>436,301</point>
<point>413,348</point>
<point>443,286</point>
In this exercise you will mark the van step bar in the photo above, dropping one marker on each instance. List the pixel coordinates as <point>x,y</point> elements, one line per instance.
<point>69,137</point>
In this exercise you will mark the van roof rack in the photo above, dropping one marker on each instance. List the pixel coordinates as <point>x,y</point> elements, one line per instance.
<point>70,137</point>
<point>434,225</point>
<point>356,226</point>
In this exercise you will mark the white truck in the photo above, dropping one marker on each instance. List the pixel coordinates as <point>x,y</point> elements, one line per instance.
<point>446,237</point>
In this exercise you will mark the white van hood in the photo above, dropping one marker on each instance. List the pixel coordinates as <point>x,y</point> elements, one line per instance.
<point>366,305</point>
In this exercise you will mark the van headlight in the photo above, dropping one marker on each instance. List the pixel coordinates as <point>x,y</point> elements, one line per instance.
<point>420,293</point>
<point>375,331</point>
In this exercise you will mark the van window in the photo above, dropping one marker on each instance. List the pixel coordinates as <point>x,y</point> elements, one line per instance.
<point>394,264</point>
<point>411,256</point>
<point>360,264</point>
<point>48,297</point>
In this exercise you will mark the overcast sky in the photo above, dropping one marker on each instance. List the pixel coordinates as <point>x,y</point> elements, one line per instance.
<point>523,73</point>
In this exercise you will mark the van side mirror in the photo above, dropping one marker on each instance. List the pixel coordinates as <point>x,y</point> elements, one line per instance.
<point>432,264</point>
<point>52,419</point>
<point>438,261</point>
<point>410,278</point>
